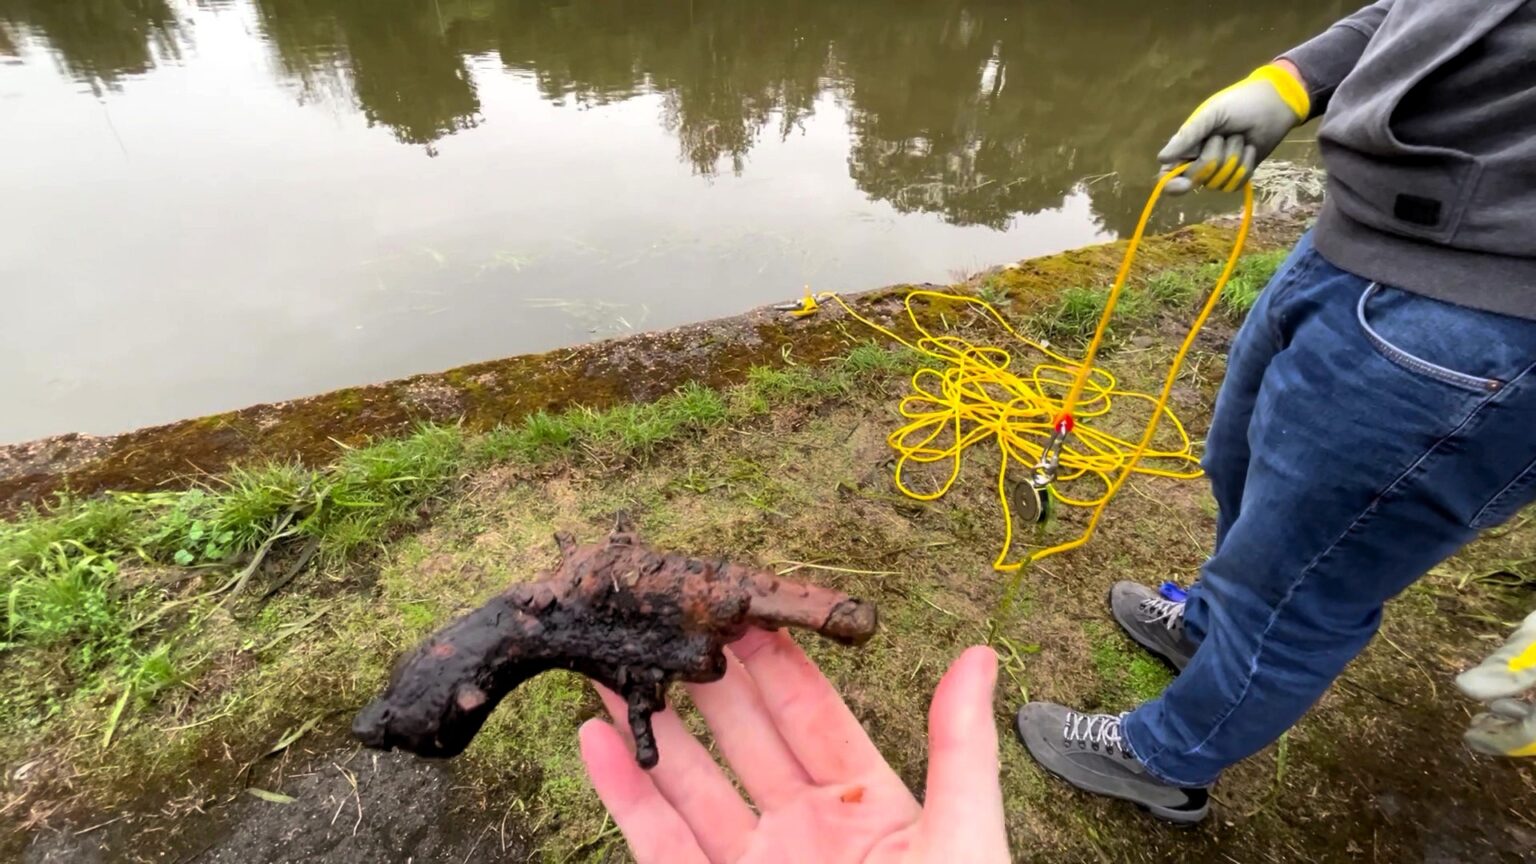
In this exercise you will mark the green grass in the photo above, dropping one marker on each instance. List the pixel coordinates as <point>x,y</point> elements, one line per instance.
<point>783,386</point>
<point>1175,288</point>
<point>90,524</point>
<point>1250,276</point>
<point>540,437</point>
<point>1184,287</point>
<point>154,672</point>
<point>1077,310</point>
<point>1128,676</point>
<point>753,484</point>
<point>870,359</point>
<point>254,501</point>
<point>628,430</point>
<point>1147,678</point>
<point>102,593</point>
<point>69,598</point>
<point>697,407</point>
<point>991,290</point>
<point>204,525</point>
<point>89,585</point>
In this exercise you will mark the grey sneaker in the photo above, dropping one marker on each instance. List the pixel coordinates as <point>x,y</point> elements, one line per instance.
<point>1152,622</point>
<point>1086,751</point>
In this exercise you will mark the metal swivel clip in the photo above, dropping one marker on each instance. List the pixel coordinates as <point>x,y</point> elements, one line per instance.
<point>1032,499</point>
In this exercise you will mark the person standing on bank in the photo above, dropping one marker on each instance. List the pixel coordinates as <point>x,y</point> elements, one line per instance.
<point>1379,406</point>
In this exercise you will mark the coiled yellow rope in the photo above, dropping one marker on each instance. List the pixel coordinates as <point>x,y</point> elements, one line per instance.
<point>977,394</point>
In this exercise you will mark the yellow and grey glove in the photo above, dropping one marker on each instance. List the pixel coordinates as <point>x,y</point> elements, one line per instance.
<point>1509,671</point>
<point>1507,728</point>
<point>1236,129</point>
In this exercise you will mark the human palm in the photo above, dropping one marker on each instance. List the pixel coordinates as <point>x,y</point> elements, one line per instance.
<point>822,792</point>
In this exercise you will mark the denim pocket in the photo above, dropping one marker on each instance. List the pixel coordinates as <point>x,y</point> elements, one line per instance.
<point>1432,339</point>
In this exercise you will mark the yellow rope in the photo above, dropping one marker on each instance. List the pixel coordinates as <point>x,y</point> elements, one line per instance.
<point>978,395</point>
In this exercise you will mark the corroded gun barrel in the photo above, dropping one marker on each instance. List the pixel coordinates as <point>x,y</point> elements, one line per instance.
<point>619,612</point>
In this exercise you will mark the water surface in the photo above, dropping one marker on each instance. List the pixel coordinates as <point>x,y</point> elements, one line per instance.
<point>211,204</point>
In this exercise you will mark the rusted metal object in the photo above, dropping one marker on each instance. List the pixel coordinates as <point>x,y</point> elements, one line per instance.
<point>619,612</point>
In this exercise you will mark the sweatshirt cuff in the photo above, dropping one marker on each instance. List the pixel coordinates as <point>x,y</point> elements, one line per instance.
<point>1325,60</point>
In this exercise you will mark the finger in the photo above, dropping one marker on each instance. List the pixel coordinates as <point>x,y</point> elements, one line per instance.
<point>1207,162</point>
<point>809,714</point>
<point>748,738</point>
<point>964,799</point>
<point>692,783</point>
<point>1244,169</point>
<point>1176,185</point>
<point>655,831</point>
<point>1231,155</point>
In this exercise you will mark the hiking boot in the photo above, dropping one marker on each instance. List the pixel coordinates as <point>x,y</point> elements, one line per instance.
<point>1153,622</point>
<point>1086,751</point>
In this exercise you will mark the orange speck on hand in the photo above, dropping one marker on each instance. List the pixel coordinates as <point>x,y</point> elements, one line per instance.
<point>853,796</point>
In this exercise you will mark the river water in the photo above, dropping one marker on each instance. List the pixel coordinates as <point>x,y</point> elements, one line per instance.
<point>213,203</point>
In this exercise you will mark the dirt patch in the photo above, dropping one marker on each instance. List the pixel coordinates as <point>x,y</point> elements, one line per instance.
<point>346,807</point>
<point>434,397</point>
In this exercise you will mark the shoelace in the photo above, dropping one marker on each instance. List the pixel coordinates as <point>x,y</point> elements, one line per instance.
<point>1098,731</point>
<point>1156,610</point>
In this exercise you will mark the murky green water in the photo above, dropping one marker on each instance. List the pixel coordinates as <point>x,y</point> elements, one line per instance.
<point>216,203</point>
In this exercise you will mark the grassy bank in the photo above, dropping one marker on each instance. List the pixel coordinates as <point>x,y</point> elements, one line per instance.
<point>166,650</point>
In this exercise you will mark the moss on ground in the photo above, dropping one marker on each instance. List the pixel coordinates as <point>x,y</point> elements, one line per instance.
<point>116,623</point>
<point>1128,676</point>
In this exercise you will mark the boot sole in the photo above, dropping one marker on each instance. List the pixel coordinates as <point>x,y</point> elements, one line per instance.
<point>1183,819</point>
<point>1146,645</point>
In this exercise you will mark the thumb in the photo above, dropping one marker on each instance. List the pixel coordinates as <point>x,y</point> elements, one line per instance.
<point>963,805</point>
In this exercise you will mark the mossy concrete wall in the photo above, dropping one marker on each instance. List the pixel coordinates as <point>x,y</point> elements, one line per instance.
<point>483,395</point>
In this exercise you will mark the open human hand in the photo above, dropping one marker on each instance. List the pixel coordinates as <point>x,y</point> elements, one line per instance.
<point>820,790</point>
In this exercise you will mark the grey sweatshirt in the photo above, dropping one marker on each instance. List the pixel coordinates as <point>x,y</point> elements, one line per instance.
<point>1429,138</point>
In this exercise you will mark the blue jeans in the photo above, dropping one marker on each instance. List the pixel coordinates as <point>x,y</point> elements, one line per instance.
<point>1362,435</point>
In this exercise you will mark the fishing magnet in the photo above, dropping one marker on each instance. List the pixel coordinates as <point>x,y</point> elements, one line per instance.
<point>802,308</point>
<point>1031,503</point>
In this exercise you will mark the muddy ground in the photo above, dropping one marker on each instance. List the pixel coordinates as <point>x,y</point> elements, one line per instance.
<point>351,806</point>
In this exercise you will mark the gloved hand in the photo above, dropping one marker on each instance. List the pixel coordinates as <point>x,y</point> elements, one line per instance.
<point>1507,728</point>
<point>1506,672</point>
<point>1236,129</point>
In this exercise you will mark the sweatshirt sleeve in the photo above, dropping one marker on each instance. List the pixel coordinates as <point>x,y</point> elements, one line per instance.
<point>1327,59</point>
